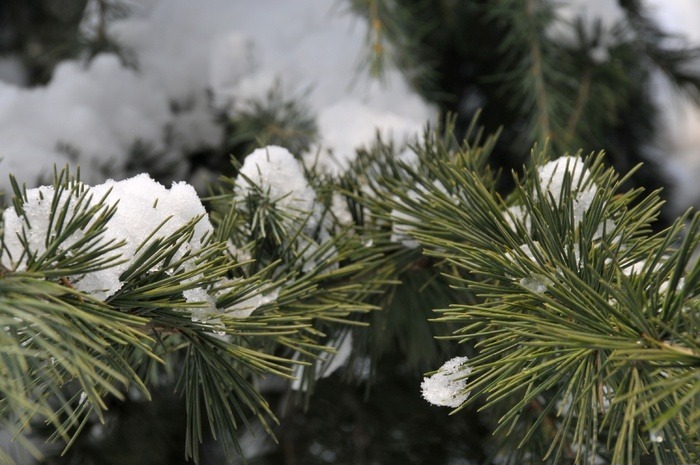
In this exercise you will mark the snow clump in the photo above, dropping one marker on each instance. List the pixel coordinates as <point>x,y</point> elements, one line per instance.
<point>551,179</point>
<point>446,387</point>
<point>145,211</point>
<point>553,174</point>
<point>274,173</point>
<point>209,311</point>
<point>90,114</point>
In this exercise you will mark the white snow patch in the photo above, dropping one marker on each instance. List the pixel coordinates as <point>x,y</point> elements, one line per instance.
<point>189,55</point>
<point>328,362</point>
<point>245,308</point>
<point>537,284</point>
<point>446,387</point>
<point>351,124</point>
<point>552,176</point>
<point>276,172</point>
<point>99,111</point>
<point>142,205</point>
<point>210,313</point>
<point>517,215</point>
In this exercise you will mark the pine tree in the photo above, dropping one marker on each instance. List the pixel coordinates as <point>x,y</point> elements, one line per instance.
<point>532,290</point>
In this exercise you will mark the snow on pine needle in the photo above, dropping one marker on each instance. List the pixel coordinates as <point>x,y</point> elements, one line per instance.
<point>446,387</point>
<point>144,211</point>
<point>272,187</point>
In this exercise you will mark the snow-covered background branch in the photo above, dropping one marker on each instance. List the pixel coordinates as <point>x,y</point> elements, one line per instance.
<point>192,61</point>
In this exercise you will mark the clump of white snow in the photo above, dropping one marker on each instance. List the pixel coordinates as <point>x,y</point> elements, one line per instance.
<point>349,124</point>
<point>446,388</point>
<point>99,111</point>
<point>553,173</point>
<point>274,171</point>
<point>144,207</point>
<point>552,179</point>
<point>552,176</point>
<point>247,306</point>
<point>517,215</point>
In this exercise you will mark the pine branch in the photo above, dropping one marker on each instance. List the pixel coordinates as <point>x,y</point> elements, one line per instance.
<point>576,301</point>
<point>68,345</point>
<point>395,37</point>
<point>273,120</point>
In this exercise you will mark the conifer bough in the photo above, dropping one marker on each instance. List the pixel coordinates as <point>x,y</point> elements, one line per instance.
<point>579,323</point>
<point>584,338</point>
<point>115,289</point>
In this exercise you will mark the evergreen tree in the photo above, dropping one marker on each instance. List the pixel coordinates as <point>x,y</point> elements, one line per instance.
<point>546,306</point>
